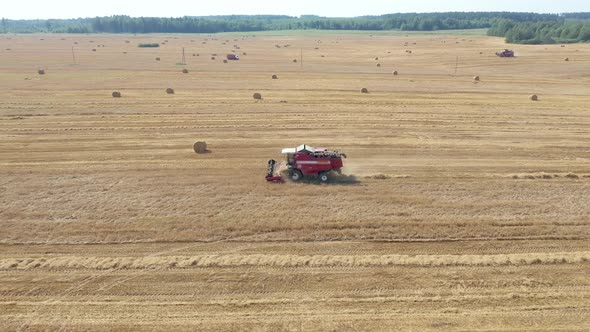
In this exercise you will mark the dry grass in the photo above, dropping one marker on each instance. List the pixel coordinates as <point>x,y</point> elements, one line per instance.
<point>109,220</point>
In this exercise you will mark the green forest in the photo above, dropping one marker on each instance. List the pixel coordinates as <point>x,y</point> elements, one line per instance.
<point>566,31</point>
<point>516,27</point>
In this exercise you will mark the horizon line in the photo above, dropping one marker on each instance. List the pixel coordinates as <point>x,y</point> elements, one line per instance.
<point>289,16</point>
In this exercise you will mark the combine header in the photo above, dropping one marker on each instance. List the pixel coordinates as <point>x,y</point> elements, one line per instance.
<point>307,161</point>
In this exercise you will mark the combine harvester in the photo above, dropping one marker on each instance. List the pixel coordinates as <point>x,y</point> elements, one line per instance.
<point>305,161</point>
<point>506,54</point>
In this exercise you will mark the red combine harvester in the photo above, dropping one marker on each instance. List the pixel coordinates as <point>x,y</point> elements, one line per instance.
<point>307,161</point>
<point>232,57</point>
<point>506,54</point>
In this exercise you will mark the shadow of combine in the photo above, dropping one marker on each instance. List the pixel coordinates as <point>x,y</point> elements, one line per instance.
<point>333,179</point>
<point>343,179</point>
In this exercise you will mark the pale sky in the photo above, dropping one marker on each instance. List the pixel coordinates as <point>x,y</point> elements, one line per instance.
<point>31,9</point>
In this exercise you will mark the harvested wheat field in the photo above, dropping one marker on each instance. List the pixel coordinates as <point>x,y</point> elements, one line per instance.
<point>464,205</point>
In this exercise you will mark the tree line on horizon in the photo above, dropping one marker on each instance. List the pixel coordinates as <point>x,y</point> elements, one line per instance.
<point>568,31</point>
<point>516,27</point>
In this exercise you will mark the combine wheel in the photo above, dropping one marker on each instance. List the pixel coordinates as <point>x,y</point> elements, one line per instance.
<point>296,175</point>
<point>323,176</point>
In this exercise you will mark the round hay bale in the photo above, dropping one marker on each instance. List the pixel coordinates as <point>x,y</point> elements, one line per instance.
<point>294,60</point>
<point>200,147</point>
<point>212,58</point>
<point>257,96</point>
<point>224,60</point>
<point>94,50</point>
<point>41,71</point>
<point>476,78</point>
<point>378,65</point>
<point>170,91</point>
<point>185,71</point>
<point>566,59</point>
<point>116,94</point>
<point>376,58</point>
<point>158,59</point>
<point>275,77</point>
<point>364,90</point>
<point>243,53</point>
<point>534,97</point>
<point>394,73</point>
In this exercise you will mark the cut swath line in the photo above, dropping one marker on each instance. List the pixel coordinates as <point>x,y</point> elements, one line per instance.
<point>102,263</point>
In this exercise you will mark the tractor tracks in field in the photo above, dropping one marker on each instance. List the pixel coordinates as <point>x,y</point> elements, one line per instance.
<point>252,243</point>
<point>96,276</point>
<point>108,270</point>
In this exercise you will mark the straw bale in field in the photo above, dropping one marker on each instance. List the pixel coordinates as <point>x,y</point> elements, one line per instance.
<point>200,147</point>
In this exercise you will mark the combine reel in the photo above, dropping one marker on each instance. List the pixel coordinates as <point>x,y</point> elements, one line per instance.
<point>270,172</point>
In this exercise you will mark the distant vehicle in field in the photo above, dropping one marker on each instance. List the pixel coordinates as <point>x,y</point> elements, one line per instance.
<point>307,161</point>
<point>233,57</point>
<point>506,54</point>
